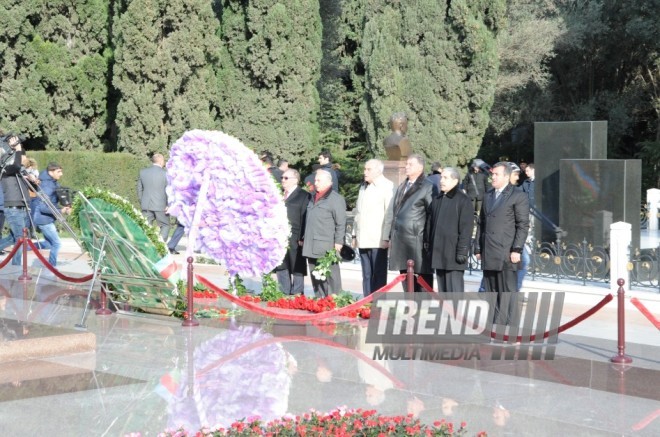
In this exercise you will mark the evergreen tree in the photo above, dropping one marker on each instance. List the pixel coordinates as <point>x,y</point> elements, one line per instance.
<point>164,71</point>
<point>437,62</point>
<point>268,73</point>
<point>523,90</point>
<point>54,70</point>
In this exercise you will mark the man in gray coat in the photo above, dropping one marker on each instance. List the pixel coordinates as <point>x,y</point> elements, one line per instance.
<point>151,192</point>
<point>407,216</point>
<point>325,228</point>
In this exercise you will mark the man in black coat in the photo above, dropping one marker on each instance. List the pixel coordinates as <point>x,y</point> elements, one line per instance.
<point>407,217</point>
<point>294,264</point>
<point>151,192</point>
<point>448,232</point>
<point>503,228</point>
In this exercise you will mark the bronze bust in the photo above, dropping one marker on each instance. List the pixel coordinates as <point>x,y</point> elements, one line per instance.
<point>397,145</point>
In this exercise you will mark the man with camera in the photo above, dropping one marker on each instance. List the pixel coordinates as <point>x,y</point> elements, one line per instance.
<point>16,193</point>
<point>45,208</point>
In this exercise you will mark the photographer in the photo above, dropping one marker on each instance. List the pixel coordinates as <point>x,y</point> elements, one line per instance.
<point>16,193</point>
<point>44,215</point>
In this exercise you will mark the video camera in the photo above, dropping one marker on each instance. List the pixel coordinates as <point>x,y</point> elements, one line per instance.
<point>9,142</point>
<point>64,195</point>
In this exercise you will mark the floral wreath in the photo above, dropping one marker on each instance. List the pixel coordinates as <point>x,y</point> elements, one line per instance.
<point>125,207</point>
<point>243,221</point>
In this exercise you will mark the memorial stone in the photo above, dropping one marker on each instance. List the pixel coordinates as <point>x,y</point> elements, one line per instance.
<point>554,141</point>
<point>596,193</point>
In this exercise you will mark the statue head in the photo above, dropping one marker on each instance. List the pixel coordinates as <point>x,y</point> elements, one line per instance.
<point>399,122</point>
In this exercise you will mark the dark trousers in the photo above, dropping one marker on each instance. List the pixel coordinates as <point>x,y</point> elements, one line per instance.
<point>176,236</point>
<point>332,284</point>
<point>502,282</point>
<point>450,281</point>
<point>428,277</point>
<point>297,286</point>
<point>374,269</point>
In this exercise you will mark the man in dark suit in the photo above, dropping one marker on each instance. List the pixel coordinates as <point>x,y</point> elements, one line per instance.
<point>151,187</point>
<point>294,264</point>
<point>325,229</point>
<point>503,227</point>
<point>448,232</point>
<point>407,217</point>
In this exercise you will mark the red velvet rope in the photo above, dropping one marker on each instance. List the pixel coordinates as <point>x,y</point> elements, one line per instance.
<point>56,272</point>
<point>274,340</point>
<point>640,306</point>
<point>567,325</point>
<point>269,313</point>
<point>425,285</point>
<point>11,254</point>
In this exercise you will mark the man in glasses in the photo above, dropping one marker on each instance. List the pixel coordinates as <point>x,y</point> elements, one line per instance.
<point>291,272</point>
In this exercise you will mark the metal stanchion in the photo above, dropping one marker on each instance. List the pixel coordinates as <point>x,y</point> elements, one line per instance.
<point>104,310</point>
<point>189,319</point>
<point>24,241</point>
<point>410,278</point>
<point>621,357</point>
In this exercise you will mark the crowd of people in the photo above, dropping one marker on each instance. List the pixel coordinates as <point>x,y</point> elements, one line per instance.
<point>436,220</point>
<point>29,200</point>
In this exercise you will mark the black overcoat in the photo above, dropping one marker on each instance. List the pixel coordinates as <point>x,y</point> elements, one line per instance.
<point>296,211</point>
<point>408,221</point>
<point>449,229</point>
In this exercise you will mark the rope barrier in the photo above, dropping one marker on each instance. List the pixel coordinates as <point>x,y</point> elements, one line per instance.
<point>278,315</point>
<point>11,254</point>
<point>56,272</point>
<point>640,306</point>
<point>568,325</point>
<point>425,285</point>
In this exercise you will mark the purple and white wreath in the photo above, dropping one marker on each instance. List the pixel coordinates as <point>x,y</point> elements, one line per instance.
<point>243,222</point>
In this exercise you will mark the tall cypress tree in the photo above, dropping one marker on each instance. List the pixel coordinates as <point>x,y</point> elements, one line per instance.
<point>268,72</point>
<point>53,71</point>
<point>164,71</point>
<point>436,61</point>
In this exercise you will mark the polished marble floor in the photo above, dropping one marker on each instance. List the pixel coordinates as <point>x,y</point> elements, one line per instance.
<point>148,373</point>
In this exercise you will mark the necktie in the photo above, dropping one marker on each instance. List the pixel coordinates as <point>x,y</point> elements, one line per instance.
<point>497,194</point>
<point>408,185</point>
<point>286,194</point>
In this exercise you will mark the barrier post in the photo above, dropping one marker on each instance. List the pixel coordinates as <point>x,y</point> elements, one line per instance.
<point>24,241</point>
<point>410,276</point>
<point>189,319</point>
<point>621,357</point>
<point>104,310</point>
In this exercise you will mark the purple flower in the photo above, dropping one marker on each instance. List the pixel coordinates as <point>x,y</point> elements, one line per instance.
<point>243,224</point>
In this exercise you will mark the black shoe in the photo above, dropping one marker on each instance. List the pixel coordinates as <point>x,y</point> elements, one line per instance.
<point>174,252</point>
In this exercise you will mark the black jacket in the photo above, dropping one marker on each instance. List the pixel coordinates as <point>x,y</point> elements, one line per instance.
<point>475,185</point>
<point>449,229</point>
<point>14,188</point>
<point>296,211</point>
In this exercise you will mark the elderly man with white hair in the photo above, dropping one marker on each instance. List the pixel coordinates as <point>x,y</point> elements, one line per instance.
<point>325,228</point>
<point>370,229</point>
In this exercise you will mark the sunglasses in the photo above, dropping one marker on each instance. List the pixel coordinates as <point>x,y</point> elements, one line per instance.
<point>286,178</point>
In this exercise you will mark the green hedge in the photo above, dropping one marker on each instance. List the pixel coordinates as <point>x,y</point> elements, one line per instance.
<point>115,172</point>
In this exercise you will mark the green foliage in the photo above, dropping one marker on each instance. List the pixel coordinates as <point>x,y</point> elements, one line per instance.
<point>343,299</point>
<point>270,290</point>
<point>238,286</point>
<point>113,172</point>
<point>164,70</point>
<point>267,74</point>
<point>54,72</point>
<point>437,62</point>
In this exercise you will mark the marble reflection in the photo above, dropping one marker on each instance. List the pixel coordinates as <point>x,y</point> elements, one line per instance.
<point>236,374</point>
